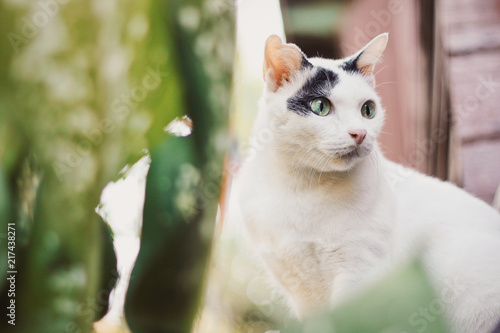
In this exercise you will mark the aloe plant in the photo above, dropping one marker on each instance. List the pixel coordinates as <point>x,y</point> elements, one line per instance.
<point>182,186</point>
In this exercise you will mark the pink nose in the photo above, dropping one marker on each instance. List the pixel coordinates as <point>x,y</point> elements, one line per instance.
<point>358,135</point>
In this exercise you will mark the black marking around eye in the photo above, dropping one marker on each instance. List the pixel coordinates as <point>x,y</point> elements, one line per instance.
<point>351,65</point>
<point>319,85</point>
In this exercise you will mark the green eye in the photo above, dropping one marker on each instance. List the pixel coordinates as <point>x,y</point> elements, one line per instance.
<point>320,106</point>
<point>368,110</point>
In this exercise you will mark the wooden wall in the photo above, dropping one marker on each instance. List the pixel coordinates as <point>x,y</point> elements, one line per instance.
<point>471,36</point>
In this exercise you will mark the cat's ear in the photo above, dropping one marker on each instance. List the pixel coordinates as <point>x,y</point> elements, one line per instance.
<point>364,61</point>
<point>281,61</point>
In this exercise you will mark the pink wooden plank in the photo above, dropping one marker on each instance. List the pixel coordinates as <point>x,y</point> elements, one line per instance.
<point>462,12</point>
<point>472,25</point>
<point>481,162</point>
<point>475,95</point>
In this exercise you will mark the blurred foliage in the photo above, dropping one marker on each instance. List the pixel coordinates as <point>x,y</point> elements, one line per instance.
<point>182,186</point>
<point>243,297</point>
<point>86,87</point>
<point>403,302</point>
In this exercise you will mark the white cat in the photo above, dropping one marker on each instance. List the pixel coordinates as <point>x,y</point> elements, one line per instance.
<point>328,213</point>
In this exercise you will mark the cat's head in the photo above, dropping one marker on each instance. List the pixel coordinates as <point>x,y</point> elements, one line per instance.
<point>324,114</point>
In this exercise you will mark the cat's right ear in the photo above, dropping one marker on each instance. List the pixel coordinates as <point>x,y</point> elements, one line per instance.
<point>281,62</point>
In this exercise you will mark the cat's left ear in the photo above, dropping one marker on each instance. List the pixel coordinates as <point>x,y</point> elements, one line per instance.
<point>364,61</point>
<point>281,62</point>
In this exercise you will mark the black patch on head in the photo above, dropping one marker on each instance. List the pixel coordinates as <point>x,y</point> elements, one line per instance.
<point>351,65</point>
<point>319,85</point>
<point>305,63</point>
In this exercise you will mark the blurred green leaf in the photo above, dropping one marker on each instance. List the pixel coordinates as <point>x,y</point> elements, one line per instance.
<point>5,217</point>
<point>166,282</point>
<point>159,50</point>
<point>109,276</point>
<point>183,183</point>
<point>403,302</point>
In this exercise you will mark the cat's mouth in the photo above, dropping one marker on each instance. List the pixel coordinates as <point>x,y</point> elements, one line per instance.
<point>349,155</point>
<point>355,152</point>
<point>352,154</point>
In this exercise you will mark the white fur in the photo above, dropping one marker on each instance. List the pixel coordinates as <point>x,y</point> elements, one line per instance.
<point>325,226</point>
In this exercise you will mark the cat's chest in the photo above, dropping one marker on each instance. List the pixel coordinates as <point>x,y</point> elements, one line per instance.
<point>306,270</point>
<point>276,211</point>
